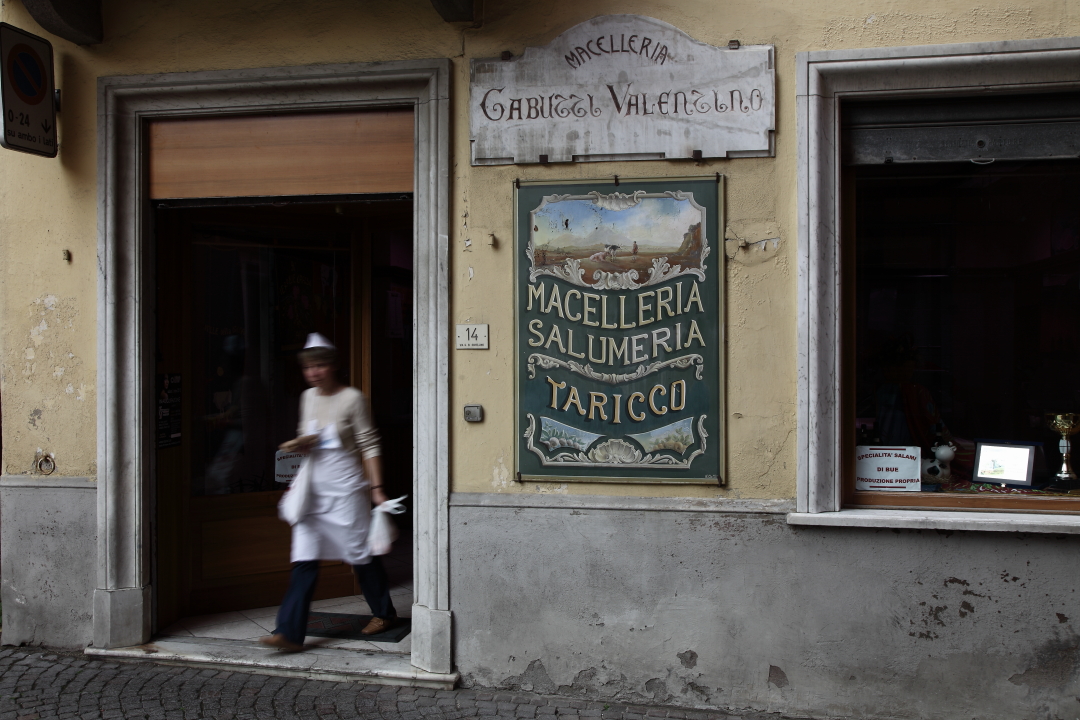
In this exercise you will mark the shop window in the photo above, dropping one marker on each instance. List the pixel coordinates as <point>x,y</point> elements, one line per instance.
<point>940,285</point>
<point>962,308</point>
<point>965,326</point>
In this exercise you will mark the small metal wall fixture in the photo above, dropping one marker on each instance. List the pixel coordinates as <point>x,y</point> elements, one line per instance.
<point>46,464</point>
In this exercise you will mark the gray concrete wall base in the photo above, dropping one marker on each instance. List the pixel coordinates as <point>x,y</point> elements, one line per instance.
<point>431,649</point>
<point>744,612</point>
<point>47,527</point>
<point>121,617</point>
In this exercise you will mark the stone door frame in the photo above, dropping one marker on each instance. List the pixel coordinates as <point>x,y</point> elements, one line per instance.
<point>125,450</point>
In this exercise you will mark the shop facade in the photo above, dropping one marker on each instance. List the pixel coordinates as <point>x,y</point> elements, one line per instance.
<point>662,499</point>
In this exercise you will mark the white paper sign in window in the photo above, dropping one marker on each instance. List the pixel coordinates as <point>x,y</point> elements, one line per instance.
<point>888,468</point>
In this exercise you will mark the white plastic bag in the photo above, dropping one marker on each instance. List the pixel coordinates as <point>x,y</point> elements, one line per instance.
<point>294,504</point>
<point>383,532</point>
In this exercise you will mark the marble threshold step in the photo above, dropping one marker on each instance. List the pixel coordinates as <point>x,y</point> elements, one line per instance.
<point>316,663</point>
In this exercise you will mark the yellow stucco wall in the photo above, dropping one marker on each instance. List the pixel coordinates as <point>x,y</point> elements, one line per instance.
<point>48,306</point>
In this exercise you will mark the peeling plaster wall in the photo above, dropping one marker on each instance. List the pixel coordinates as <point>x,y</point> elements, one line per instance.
<point>48,306</point>
<point>760,196</point>
<point>47,371</point>
<point>48,390</point>
<point>761,328</point>
<point>47,375</point>
<point>745,612</point>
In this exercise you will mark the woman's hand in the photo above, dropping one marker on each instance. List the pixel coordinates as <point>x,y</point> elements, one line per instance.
<point>304,443</point>
<point>378,497</point>
<point>373,470</point>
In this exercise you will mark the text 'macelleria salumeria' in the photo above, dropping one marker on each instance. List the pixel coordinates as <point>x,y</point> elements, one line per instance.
<point>593,310</point>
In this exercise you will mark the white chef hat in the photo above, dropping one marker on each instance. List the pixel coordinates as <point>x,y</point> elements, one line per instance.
<point>315,340</point>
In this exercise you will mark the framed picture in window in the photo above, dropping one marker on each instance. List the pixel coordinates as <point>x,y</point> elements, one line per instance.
<point>1004,463</point>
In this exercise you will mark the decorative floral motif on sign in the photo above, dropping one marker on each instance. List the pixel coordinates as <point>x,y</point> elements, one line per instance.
<point>546,362</point>
<point>617,201</point>
<point>613,451</point>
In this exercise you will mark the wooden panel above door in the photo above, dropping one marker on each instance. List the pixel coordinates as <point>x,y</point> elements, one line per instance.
<point>266,155</point>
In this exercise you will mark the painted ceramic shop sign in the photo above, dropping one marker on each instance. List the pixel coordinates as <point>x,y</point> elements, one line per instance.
<point>622,87</point>
<point>618,344</point>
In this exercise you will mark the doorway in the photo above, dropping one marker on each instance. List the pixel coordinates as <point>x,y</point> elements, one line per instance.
<point>130,109</point>
<point>240,284</point>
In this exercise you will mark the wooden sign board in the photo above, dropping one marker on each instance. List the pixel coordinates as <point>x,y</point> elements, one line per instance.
<point>623,87</point>
<point>619,342</point>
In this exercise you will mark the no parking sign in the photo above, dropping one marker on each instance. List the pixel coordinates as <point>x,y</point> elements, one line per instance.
<point>26,84</point>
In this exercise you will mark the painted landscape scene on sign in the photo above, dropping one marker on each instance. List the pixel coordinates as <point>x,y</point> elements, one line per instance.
<point>555,435</point>
<point>617,240</point>
<point>677,436</point>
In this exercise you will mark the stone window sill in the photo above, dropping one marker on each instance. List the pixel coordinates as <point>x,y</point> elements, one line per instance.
<point>943,520</point>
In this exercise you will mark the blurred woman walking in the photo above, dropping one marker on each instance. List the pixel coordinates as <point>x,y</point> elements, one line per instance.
<point>336,429</point>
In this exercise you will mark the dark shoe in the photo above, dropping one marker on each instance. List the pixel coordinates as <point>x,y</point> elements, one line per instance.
<point>279,641</point>
<point>378,625</point>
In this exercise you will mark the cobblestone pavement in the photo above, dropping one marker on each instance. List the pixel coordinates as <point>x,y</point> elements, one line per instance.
<point>37,685</point>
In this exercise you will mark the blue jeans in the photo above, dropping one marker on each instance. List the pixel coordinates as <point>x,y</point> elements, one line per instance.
<point>292,617</point>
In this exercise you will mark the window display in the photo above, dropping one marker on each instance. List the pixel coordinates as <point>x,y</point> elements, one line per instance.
<point>966,322</point>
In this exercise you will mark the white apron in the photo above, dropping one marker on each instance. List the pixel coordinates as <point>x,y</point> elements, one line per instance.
<point>336,525</point>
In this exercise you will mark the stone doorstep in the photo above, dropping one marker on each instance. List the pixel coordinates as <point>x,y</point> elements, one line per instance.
<point>320,663</point>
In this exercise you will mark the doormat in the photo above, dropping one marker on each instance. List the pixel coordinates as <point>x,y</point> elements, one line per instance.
<point>341,626</point>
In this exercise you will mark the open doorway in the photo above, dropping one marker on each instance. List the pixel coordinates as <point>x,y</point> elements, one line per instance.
<point>240,284</point>
<point>396,139</point>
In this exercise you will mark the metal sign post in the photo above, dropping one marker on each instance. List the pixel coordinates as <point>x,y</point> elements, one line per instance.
<point>26,84</point>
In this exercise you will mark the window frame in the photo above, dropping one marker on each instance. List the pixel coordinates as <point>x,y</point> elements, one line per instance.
<point>825,458</point>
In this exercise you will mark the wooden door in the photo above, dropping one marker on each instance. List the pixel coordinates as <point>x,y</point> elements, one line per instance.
<point>237,290</point>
